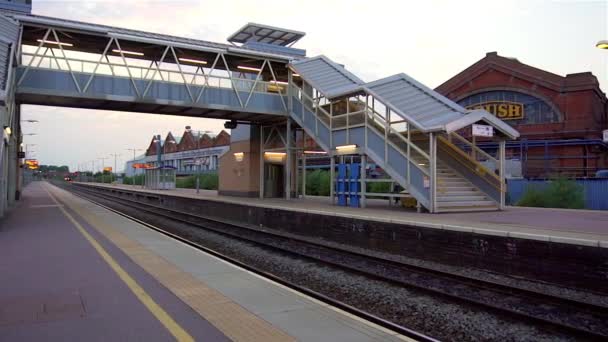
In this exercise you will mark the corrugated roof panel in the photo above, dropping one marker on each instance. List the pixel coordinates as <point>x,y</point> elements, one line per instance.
<point>419,103</point>
<point>325,75</point>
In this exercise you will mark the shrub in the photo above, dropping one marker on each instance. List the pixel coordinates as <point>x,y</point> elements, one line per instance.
<point>317,183</point>
<point>565,193</point>
<point>559,193</point>
<point>533,197</point>
<point>380,187</point>
<point>208,181</point>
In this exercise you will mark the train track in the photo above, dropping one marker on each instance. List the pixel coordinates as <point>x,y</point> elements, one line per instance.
<point>575,318</point>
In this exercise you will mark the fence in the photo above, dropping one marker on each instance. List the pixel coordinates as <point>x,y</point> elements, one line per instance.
<point>596,191</point>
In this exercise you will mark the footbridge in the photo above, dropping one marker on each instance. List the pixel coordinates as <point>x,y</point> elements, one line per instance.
<point>419,138</point>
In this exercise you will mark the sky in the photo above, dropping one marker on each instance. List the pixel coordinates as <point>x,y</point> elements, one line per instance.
<point>430,40</point>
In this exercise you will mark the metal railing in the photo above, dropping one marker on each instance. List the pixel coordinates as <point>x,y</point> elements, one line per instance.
<point>367,118</point>
<point>107,68</point>
<point>471,164</point>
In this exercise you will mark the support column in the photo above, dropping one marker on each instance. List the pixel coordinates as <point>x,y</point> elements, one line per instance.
<point>303,174</point>
<point>288,160</point>
<point>433,172</point>
<point>262,176</point>
<point>501,172</point>
<point>363,183</point>
<point>332,176</point>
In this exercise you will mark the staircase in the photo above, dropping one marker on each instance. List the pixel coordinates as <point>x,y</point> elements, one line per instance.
<point>461,183</point>
<point>455,193</point>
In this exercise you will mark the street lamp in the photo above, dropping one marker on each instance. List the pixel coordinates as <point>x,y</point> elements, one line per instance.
<point>115,155</point>
<point>602,44</point>
<point>30,121</point>
<point>30,134</point>
<point>103,161</point>
<point>134,172</point>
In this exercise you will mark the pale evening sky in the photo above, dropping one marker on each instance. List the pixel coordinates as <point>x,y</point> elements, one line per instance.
<point>428,40</point>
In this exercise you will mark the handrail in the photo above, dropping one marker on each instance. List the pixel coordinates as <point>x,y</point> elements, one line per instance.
<point>476,148</point>
<point>201,80</point>
<point>426,172</point>
<point>478,165</point>
<point>404,139</point>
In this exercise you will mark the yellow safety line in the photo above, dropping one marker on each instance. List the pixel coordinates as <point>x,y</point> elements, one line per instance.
<point>163,317</point>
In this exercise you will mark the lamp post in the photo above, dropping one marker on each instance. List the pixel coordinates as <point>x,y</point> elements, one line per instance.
<point>134,172</point>
<point>103,161</point>
<point>115,155</point>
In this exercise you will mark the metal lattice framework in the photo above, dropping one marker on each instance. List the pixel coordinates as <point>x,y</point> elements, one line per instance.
<point>117,62</point>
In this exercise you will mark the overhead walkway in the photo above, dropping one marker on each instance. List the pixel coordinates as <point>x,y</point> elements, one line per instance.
<point>420,138</point>
<point>409,130</point>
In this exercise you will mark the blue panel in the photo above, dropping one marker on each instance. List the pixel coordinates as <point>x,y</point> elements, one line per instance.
<point>50,79</point>
<point>595,190</point>
<point>323,134</point>
<point>262,102</point>
<point>297,107</point>
<point>375,143</point>
<point>339,138</point>
<point>104,85</point>
<point>341,184</point>
<point>357,136</point>
<point>354,185</point>
<point>417,182</point>
<point>397,161</point>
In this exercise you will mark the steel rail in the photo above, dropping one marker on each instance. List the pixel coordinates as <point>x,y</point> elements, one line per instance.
<point>311,293</point>
<point>565,303</point>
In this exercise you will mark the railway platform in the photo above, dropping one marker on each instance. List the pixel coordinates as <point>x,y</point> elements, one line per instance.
<point>72,270</point>
<point>578,227</point>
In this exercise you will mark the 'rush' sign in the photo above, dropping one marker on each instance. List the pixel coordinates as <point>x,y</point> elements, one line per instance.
<point>501,109</point>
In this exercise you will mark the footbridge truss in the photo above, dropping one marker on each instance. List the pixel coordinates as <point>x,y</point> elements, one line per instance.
<point>421,139</point>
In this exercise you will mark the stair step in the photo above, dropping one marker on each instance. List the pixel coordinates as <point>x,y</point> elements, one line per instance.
<point>466,198</point>
<point>467,209</point>
<point>452,189</point>
<point>444,192</point>
<point>483,203</point>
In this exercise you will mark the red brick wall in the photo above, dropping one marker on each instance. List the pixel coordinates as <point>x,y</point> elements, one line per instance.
<point>577,96</point>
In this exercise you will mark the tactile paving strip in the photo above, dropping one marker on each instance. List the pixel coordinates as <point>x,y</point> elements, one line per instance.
<point>233,320</point>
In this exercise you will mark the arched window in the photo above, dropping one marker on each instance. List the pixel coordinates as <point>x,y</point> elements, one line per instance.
<point>514,107</point>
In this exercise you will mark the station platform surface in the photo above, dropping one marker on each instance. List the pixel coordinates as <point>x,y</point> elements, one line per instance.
<point>582,227</point>
<point>71,270</point>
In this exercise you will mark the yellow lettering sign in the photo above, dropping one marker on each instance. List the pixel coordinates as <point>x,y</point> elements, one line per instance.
<point>501,109</point>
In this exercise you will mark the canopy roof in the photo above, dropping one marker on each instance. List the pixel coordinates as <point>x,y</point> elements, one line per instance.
<point>418,104</point>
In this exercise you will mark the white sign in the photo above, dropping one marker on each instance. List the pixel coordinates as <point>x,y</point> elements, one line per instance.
<point>606,135</point>
<point>483,131</point>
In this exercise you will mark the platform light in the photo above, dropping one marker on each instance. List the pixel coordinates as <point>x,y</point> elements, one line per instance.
<point>602,44</point>
<point>125,52</point>
<point>238,156</point>
<point>346,147</point>
<point>53,42</point>
<point>315,152</point>
<point>295,75</point>
<point>279,82</point>
<point>8,130</point>
<point>276,157</point>
<point>242,67</point>
<point>421,164</point>
<point>195,61</point>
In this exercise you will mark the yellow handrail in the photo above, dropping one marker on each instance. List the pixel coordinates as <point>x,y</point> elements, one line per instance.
<point>478,166</point>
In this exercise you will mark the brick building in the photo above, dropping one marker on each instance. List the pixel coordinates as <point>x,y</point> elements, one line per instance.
<point>189,153</point>
<point>561,119</point>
